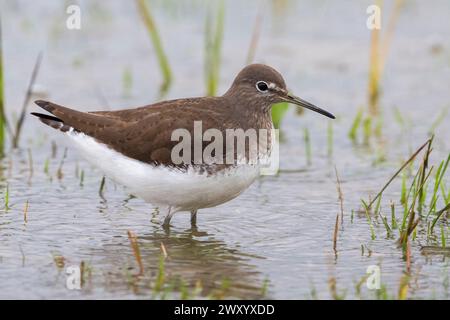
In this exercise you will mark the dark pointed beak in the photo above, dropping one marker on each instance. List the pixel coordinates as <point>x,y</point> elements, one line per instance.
<point>305,104</point>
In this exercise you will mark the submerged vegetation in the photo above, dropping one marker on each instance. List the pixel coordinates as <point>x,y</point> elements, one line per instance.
<point>418,203</point>
<point>162,283</point>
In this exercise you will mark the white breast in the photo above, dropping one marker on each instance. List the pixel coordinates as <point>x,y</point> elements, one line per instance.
<point>162,186</point>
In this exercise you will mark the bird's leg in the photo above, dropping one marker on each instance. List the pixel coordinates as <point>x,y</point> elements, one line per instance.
<point>169,215</point>
<point>193,217</point>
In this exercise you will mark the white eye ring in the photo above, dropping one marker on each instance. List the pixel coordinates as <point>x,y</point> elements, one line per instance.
<point>262,86</point>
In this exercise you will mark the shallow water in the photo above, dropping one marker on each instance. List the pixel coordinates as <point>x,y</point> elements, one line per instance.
<point>278,234</point>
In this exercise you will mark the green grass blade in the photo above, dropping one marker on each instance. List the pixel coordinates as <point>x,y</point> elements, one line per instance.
<point>2,110</point>
<point>278,112</point>
<point>150,25</point>
<point>307,146</point>
<point>369,220</point>
<point>330,139</point>
<point>213,48</point>
<point>355,125</point>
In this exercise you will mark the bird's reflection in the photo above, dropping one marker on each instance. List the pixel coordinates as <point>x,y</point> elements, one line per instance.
<point>191,256</point>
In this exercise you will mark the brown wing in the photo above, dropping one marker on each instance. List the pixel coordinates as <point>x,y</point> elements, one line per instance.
<point>90,124</point>
<point>143,133</point>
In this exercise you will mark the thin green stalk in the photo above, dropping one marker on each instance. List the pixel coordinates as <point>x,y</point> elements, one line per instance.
<point>355,125</point>
<point>82,178</point>
<point>439,214</point>
<point>383,218</point>
<point>378,206</point>
<point>447,198</point>
<point>386,226</point>
<point>7,198</point>
<point>307,146</point>
<point>367,129</point>
<point>398,172</point>
<point>150,25</point>
<point>20,121</point>
<point>330,139</point>
<point>136,251</point>
<point>403,194</point>
<point>438,180</point>
<point>411,212</point>
<point>213,48</point>
<point>160,278</point>
<point>422,192</point>
<point>265,287</point>
<point>46,165</point>
<point>406,203</point>
<point>393,218</point>
<point>378,125</point>
<point>379,48</point>
<point>59,172</point>
<point>369,221</point>
<point>2,110</point>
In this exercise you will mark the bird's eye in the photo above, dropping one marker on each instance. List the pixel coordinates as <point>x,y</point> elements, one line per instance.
<point>262,86</point>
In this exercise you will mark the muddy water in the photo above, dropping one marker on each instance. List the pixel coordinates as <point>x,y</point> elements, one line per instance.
<point>275,240</point>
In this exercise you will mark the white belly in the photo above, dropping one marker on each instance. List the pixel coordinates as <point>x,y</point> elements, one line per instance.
<point>162,186</point>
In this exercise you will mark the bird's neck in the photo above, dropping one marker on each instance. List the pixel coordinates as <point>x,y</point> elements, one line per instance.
<point>248,111</point>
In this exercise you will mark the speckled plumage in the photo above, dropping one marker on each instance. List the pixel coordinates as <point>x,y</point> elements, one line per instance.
<point>144,133</point>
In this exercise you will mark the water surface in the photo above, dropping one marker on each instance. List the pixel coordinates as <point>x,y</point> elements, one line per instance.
<point>273,241</point>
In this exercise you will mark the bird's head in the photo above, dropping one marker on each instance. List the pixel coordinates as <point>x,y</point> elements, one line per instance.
<point>263,85</point>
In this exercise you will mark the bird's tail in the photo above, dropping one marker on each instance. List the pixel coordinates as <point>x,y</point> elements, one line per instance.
<point>65,119</point>
<point>51,121</point>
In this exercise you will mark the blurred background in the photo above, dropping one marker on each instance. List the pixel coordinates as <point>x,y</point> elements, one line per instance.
<point>388,89</point>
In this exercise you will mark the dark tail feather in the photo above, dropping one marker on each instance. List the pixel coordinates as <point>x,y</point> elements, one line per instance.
<point>91,124</point>
<point>52,121</point>
<point>46,116</point>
